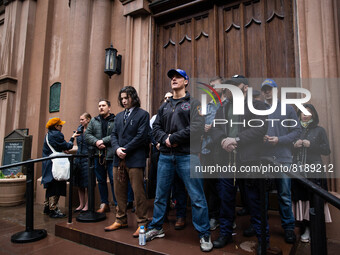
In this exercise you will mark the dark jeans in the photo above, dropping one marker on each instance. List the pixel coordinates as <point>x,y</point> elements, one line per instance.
<point>227,193</point>
<point>241,183</point>
<point>254,199</point>
<point>285,203</point>
<point>102,171</point>
<point>210,189</point>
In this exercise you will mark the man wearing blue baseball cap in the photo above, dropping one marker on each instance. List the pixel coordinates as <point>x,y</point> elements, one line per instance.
<point>278,141</point>
<point>177,120</point>
<point>180,72</point>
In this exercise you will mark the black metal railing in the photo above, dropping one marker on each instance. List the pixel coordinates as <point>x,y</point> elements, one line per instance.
<point>316,212</point>
<point>30,234</point>
<point>317,218</point>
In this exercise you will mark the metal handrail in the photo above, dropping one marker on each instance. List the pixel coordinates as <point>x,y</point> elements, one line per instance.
<point>42,159</point>
<point>317,217</point>
<point>330,198</point>
<point>30,234</point>
<point>327,196</point>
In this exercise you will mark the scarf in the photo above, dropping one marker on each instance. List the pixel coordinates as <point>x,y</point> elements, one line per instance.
<point>305,124</point>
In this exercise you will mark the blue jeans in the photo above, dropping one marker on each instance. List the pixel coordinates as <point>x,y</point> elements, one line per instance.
<point>179,194</point>
<point>101,174</point>
<point>167,166</point>
<point>283,187</point>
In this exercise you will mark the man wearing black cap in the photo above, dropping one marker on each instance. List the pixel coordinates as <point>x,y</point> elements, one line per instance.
<point>176,121</point>
<point>240,146</point>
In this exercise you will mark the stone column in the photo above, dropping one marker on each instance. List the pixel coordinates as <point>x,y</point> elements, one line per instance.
<point>138,49</point>
<point>15,50</point>
<point>319,64</point>
<point>76,80</point>
<point>318,43</point>
<point>99,40</point>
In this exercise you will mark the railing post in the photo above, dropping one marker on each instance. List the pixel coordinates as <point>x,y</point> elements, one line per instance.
<point>263,216</point>
<point>91,182</point>
<point>29,197</point>
<point>318,226</point>
<point>70,190</point>
<point>29,235</point>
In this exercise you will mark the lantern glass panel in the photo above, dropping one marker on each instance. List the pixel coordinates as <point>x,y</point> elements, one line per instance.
<point>112,60</point>
<point>107,59</point>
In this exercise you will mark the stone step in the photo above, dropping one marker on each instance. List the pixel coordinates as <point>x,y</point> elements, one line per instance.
<point>179,242</point>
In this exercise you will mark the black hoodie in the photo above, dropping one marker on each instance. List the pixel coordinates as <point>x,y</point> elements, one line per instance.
<point>182,120</point>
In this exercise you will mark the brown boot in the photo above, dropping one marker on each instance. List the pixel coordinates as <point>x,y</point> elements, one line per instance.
<point>104,208</point>
<point>115,226</point>
<point>136,234</point>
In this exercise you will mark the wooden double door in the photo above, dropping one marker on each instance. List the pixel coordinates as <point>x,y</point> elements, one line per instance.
<point>252,38</point>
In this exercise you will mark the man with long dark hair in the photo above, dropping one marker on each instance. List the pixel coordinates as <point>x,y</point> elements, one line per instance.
<point>130,142</point>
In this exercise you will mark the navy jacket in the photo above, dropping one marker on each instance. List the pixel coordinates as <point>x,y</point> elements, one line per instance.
<point>133,136</point>
<point>57,141</point>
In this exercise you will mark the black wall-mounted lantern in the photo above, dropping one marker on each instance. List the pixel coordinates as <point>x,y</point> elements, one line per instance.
<point>113,62</point>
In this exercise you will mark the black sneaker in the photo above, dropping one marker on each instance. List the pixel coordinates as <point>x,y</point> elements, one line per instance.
<point>290,236</point>
<point>46,210</point>
<point>56,214</point>
<point>249,232</point>
<point>222,241</point>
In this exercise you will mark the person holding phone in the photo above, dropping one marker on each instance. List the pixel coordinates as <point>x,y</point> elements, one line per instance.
<point>54,188</point>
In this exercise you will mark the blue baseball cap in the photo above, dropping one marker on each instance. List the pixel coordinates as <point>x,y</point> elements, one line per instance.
<point>269,82</point>
<point>181,72</point>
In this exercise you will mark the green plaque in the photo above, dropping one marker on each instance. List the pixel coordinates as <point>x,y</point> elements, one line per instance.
<point>55,97</point>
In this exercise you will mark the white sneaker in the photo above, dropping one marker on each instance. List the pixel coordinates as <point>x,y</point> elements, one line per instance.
<point>206,244</point>
<point>154,233</point>
<point>305,236</point>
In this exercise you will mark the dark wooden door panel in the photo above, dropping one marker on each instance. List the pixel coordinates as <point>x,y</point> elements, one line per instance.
<point>231,41</point>
<point>254,38</point>
<point>253,30</point>
<point>204,59</point>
